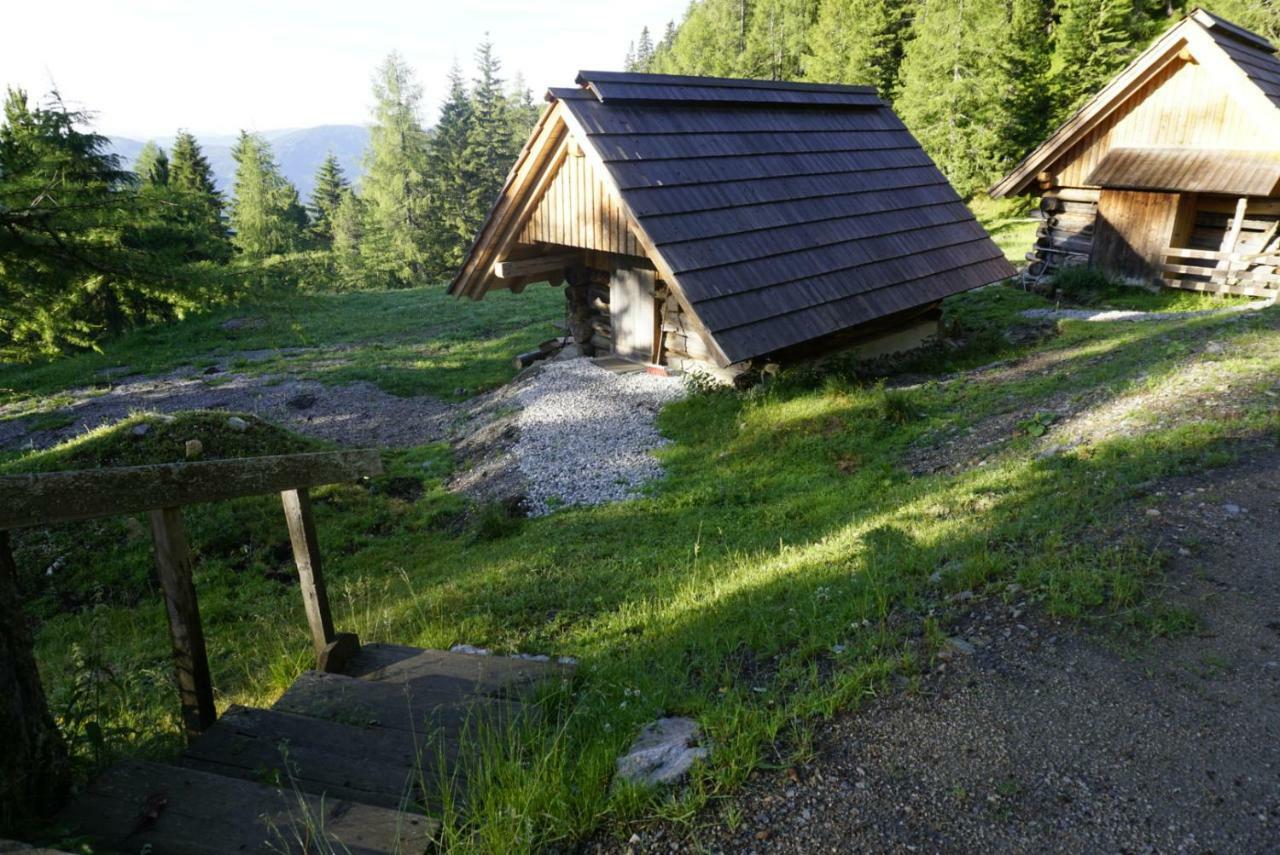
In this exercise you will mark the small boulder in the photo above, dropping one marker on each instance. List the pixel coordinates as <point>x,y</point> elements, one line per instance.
<point>237,424</point>
<point>140,429</point>
<point>470,650</point>
<point>663,753</point>
<point>194,448</point>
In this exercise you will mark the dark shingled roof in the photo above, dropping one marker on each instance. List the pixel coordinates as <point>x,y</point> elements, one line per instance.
<point>1255,56</point>
<point>786,211</point>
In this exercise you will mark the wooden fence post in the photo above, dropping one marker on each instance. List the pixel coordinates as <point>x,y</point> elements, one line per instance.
<point>35,773</point>
<point>333,649</point>
<point>174,563</point>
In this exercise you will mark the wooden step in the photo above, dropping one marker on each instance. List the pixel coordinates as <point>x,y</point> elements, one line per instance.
<point>370,764</point>
<point>440,670</point>
<point>137,806</point>
<point>425,707</point>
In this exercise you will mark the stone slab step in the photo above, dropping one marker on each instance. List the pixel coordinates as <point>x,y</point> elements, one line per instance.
<point>443,672</point>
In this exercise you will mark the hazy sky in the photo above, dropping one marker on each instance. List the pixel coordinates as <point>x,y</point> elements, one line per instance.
<point>148,67</point>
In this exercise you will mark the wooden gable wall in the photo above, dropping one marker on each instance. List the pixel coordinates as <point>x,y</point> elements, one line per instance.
<point>1184,104</point>
<point>578,210</point>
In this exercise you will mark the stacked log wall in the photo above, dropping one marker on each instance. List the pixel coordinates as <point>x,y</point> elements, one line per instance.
<point>1065,235</point>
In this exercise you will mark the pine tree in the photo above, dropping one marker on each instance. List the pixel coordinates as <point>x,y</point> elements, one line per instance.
<point>191,179</point>
<point>859,41</point>
<point>949,95</point>
<point>629,63</point>
<point>1094,40</point>
<point>394,190</point>
<point>330,187</point>
<point>266,216</point>
<point>710,40</point>
<point>152,166</point>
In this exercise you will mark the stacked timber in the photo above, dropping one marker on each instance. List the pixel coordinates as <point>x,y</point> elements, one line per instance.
<point>681,342</point>
<point>1065,235</point>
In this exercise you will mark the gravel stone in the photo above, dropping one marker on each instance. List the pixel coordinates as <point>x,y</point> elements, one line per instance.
<point>586,435</point>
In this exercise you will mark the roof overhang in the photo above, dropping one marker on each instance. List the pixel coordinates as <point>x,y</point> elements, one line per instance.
<point>1189,40</point>
<point>1190,170</point>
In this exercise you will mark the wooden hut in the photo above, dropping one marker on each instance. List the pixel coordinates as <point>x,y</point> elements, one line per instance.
<point>1170,174</point>
<point>706,221</point>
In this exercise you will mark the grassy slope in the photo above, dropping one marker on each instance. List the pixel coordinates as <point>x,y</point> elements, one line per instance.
<point>410,342</point>
<point>783,569</point>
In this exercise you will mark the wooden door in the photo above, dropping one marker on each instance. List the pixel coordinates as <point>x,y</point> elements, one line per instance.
<point>1132,231</point>
<point>633,314</point>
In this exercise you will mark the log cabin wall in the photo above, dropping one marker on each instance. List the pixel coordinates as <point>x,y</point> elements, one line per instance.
<point>1182,105</point>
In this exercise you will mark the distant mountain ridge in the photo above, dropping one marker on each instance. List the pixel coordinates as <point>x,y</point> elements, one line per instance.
<point>299,151</point>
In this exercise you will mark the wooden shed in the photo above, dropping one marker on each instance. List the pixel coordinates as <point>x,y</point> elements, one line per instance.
<point>1170,174</point>
<point>715,222</point>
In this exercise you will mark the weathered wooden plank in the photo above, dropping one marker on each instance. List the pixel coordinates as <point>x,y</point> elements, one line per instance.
<point>167,810</point>
<point>1220,288</point>
<point>533,266</point>
<point>373,765</point>
<point>465,674</point>
<point>425,706</point>
<point>174,565</point>
<point>54,497</point>
<point>306,555</point>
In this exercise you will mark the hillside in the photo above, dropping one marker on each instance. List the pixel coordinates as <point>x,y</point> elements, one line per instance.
<point>299,151</point>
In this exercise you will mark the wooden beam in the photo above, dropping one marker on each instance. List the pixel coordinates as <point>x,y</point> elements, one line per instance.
<point>174,565</point>
<point>514,269</point>
<point>306,554</point>
<point>56,497</point>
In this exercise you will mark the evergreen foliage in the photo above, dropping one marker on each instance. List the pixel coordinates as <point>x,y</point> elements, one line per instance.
<point>1094,39</point>
<point>152,166</point>
<point>859,41</point>
<point>266,216</point>
<point>330,187</point>
<point>395,190</point>
<point>198,200</point>
<point>76,256</point>
<point>490,148</point>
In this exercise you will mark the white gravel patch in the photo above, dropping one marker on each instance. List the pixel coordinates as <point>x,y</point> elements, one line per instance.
<point>587,435</point>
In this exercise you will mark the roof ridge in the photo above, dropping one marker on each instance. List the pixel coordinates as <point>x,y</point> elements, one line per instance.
<point>1234,31</point>
<point>587,77</point>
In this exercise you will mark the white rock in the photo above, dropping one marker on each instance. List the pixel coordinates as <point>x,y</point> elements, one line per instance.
<point>237,424</point>
<point>663,753</point>
<point>469,650</point>
<point>140,429</point>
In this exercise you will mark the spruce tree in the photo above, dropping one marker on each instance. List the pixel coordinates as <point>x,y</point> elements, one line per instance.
<point>777,38</point>
<point>1094,40</point>
<point>348,233</point>
<point>489,151</point>
<point>711,40</point>
<point>152,166</point>
<point>394,190</point>
<point>1025,102</point>
<point>446,169</point>
<point>191,179</point>
<point>644,51</point>
<point>330,186</point>
<point>949,95</point>
<point>266,216</point>
<point>859,41</point>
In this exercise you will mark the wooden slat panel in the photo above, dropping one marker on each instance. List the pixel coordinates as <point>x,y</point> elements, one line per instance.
<point>54,497</point>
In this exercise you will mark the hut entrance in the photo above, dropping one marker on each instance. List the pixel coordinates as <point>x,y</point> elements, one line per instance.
<point>1225,245</point>
<point>633,315</point>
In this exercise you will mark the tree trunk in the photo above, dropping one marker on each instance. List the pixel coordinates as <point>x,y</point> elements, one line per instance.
<point>34,769</point>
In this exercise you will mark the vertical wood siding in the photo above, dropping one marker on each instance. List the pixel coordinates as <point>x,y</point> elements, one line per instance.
<point>577,210</point>
<point>1182,105</point>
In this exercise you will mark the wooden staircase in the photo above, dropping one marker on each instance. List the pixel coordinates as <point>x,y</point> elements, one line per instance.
<point>342,762</point>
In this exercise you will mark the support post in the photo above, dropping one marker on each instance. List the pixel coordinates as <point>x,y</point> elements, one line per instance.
<point>333,649</point>
<point>174,564</point>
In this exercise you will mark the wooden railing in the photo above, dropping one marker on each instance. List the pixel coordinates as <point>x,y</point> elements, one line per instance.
<point>162,491</point>
<point>1243,274</point>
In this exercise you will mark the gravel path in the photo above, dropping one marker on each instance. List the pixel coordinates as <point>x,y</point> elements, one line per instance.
<point>352,414</point>
<point>586,435</point>
<point>1105,315</point>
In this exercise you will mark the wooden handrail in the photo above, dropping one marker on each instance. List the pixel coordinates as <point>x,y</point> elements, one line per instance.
<point>162,490</point>
<point>46,498</point>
